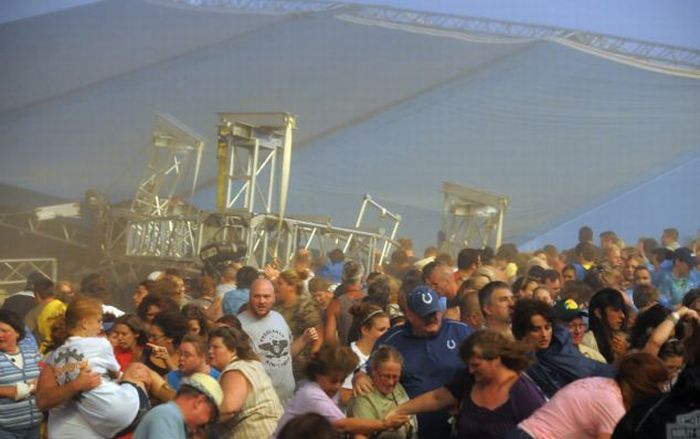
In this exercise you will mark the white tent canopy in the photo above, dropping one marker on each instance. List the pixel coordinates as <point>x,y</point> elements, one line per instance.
<point>571,138</point>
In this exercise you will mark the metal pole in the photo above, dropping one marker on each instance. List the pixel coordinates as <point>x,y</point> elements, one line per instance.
<point>499,230</point>
<point>222,157</point>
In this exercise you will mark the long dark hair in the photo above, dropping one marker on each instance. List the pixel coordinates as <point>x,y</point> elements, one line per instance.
<point>135,325</point>
<point>173,324</point>
<point>645,324</point>
<point>196,312</point>
<point>605,298</point>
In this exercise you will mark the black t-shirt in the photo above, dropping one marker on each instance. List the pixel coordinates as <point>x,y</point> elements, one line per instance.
<point>673,415</point>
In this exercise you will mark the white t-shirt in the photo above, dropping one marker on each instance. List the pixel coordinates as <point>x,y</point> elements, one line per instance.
<point>109,407</point>
<point>109,309</point>
<point>347,384</point>
<point>222,289</point>
<point>272,341</point>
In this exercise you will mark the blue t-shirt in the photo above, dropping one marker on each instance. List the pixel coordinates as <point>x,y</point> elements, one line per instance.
<point>162,421</point>
<point>332,272</point>
<point>233,300</point>
<point>174,377</point>
<point>429,363</point>
<point>673,288</point>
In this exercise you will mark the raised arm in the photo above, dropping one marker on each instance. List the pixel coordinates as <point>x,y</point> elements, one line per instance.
<point>665,329</point>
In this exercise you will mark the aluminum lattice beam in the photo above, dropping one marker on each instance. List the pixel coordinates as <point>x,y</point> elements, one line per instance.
<point>259,6</point>
<point>449,22</point>
<point>643,50</point>
<point>254,153</point>
<point>54,229</point>
<point>646,51</point>
<point>175,156</point>
<point>15,271</point>
<point>471,218</point>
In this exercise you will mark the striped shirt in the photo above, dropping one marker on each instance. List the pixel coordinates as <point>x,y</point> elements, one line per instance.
<point>15,415</point>
<point>260,412</point>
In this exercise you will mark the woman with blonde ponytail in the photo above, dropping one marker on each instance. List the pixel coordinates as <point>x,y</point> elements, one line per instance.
<point>78,385</point>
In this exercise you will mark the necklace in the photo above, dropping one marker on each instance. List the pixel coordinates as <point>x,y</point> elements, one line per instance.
<point>16,359</point>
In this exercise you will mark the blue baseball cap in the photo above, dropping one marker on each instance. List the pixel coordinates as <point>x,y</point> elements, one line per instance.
<point>423,300</point>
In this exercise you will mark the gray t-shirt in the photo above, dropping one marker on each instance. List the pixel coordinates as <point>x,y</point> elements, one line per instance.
<point>272,341</point>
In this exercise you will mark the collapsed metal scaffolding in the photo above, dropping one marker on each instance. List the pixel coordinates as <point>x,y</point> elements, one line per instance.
<point>40,222</point>
<point>471,218</point>
<point>14,272</point>
<point>254,153</point>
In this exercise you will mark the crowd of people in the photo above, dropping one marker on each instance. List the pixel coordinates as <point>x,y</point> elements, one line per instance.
<point>596,341</point>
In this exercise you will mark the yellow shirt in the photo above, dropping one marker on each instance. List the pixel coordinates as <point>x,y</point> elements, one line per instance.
<point>44,321</point>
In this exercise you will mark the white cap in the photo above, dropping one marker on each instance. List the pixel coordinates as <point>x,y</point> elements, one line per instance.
<point>207,385</point>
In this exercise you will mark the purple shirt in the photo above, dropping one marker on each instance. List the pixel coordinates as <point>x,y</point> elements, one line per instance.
<point>310,398</point>
<point>476,421</point>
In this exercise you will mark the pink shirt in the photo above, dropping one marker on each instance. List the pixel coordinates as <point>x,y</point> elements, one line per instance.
<point>581,410</point>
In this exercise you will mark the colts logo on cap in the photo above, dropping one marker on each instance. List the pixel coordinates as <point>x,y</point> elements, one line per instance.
<point>427,298</point>
<point>451,344</point>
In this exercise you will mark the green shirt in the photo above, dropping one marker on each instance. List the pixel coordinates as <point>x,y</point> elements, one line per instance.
<point>303,315</point>
<point>375,405</point>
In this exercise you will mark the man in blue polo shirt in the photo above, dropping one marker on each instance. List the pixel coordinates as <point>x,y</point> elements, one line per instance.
<point>430,348</point>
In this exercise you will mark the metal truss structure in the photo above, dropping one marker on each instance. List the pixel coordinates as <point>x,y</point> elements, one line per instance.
<point>384,216</point>
<point>253,151</point>
<point>159,229</point>
<point>646,51</point>
<point>160,225</point>
<point>14,272</point>
<point>40,222</point>
<point>653,53</point>
<point>174,147</point>
<point>471,218</point>
<point>174,238</point>
<point>455,23</point>
<point>254,155</point>
<point>451,24</point>
<point>366,247</point>
<point>256,6</point>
